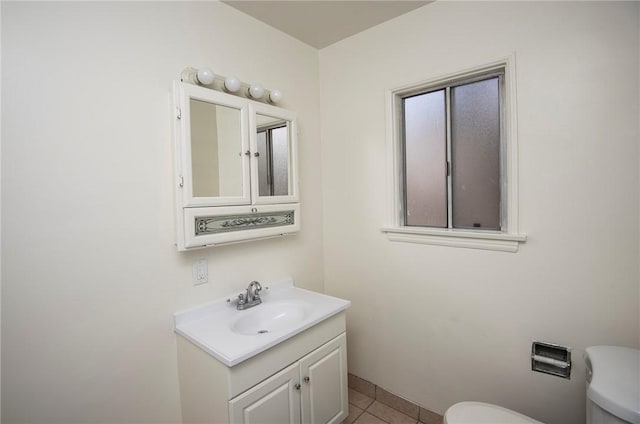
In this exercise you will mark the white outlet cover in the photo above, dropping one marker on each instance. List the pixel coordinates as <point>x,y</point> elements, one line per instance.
<point>200,272</point>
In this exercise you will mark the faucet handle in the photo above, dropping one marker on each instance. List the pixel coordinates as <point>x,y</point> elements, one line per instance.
<point>241,299</point>
<point>255,288</point>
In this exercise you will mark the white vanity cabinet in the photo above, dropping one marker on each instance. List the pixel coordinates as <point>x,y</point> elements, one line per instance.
<point>235,166</point>
<point>308,391</point>
<point>300,380</point>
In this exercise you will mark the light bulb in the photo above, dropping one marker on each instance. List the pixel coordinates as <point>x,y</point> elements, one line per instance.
<point>232,84</point>
<point>275,96</point>
<point>205,76</point>
<point>256,91</point>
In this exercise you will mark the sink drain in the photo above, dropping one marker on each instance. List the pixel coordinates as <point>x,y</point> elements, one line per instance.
<point>262,331</point>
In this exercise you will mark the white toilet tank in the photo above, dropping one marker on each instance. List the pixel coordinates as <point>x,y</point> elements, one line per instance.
<point>613,385</point>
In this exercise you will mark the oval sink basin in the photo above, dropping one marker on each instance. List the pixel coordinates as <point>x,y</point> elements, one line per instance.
<point>270,317</point>
<point>232,336</point>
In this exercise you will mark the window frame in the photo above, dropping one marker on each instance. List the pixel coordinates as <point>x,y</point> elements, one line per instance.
<point>508,238</point>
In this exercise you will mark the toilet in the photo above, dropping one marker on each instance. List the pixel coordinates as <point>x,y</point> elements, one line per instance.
<point>613,393</point>
<point>483,413</point>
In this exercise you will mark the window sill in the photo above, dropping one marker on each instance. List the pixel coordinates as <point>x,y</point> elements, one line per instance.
<point>502,242</point>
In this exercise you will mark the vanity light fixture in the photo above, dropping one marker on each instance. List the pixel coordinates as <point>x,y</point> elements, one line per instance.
<point>230,84</point>
<point>205,76</point>
<point>275,96</point>
<point>256,91</point>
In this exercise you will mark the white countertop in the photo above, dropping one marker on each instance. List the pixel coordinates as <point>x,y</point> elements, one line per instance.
<point>210,326</point>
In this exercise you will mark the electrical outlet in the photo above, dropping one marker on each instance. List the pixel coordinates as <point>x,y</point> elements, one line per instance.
<point>200,272</point>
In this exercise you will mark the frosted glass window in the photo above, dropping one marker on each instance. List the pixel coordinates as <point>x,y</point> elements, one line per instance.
<point>273,161</point>
<point>451,140</point>
<point>280,159</point>
<point>475,155</point>
<point>425,160</point>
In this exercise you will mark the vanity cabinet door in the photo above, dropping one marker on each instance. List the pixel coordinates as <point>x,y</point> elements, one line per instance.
<point>274,401</point>
<point>324,383</point>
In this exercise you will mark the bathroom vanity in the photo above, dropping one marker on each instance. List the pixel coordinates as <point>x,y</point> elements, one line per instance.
<point>283,361</point>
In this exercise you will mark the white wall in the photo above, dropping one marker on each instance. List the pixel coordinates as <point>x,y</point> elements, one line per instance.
<point>438,325</point>
<point>91,277</point>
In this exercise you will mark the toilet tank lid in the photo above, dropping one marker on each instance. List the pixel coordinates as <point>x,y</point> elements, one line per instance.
<point>484,413</point>
<point>613,374</point>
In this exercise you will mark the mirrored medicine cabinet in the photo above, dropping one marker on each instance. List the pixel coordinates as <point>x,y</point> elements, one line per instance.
<point>236,168</point>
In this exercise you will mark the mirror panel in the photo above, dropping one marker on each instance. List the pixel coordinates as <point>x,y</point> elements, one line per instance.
<point>216,146</point>
<point>274,160</point>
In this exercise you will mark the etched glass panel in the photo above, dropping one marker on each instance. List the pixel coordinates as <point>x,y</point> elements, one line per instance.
<point>425,148</point>
<point>475,151</point>
<point>227,223</point>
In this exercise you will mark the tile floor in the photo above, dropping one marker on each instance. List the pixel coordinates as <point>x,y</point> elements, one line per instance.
<point>369,404</point>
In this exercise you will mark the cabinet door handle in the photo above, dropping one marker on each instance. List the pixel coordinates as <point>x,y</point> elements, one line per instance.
<point>297,386</point>
<point>307,379</point>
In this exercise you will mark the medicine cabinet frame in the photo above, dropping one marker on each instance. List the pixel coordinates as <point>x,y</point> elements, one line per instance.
<point>184,93</point>
<point>216,220</point>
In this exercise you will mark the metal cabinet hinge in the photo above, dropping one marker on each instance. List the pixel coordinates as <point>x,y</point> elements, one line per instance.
<point>178,113</point>
<point>181,183</point>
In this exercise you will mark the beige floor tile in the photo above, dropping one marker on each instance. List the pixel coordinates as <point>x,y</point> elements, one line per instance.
<point>429,417</point>
<point>398,403</point>
<point>360,400</point>
<point>367,418</point>
<point>354,413</point>
<point>389,414</point>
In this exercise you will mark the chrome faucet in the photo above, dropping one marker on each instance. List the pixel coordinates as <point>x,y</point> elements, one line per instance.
<point>251,298</point>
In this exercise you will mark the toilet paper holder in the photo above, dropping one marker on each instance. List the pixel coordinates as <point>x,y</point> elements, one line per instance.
<point>551,359</point>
